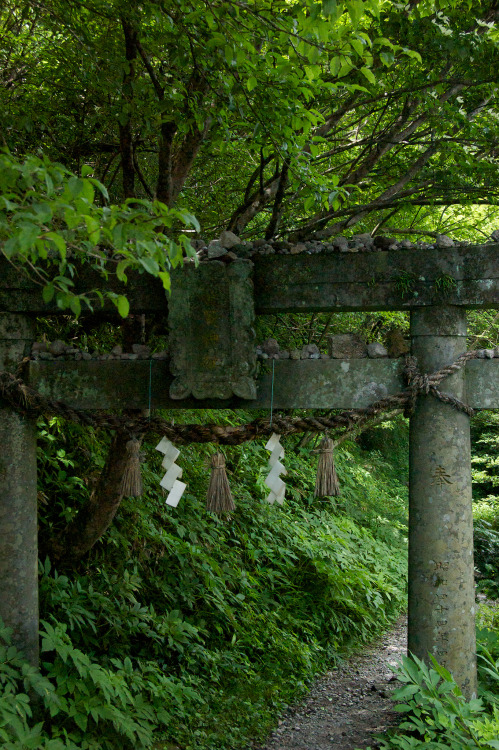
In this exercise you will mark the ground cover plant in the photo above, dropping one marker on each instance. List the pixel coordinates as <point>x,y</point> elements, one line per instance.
<point>435,714</point>
<point>183,627</point>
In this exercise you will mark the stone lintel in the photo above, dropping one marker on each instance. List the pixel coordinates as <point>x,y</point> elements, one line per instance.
<point>298,384</point>
<point>338,282</point>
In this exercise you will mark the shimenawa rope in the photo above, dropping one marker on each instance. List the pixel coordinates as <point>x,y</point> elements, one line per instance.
<point>28,401</point>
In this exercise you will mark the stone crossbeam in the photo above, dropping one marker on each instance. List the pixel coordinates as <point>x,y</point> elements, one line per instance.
<point>298,384</point>
<point>337,282</point>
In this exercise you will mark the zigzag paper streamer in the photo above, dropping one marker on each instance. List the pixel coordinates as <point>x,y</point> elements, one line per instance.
<point>273,481</point>
<point>170,481</point>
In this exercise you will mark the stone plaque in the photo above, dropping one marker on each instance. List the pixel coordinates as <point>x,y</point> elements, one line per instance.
<point>211,316</point>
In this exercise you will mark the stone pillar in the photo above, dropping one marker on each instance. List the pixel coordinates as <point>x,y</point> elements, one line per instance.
<point>18,502</point>
<point>441,583</point>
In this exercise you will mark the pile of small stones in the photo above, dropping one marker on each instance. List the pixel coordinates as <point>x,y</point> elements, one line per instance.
<point>341,346</point>
<point>58,350</point>
<point>229,246</point>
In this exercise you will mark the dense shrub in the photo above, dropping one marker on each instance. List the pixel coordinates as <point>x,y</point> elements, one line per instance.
<point>183,626</point>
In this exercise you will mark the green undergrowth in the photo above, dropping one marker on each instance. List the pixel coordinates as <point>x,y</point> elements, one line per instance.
<point>485,469</point>
<point>184,630</point>
<point>435,714</point>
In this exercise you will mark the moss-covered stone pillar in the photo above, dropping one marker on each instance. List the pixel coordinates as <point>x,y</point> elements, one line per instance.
<point>441,584</point>
<point>18,506</point>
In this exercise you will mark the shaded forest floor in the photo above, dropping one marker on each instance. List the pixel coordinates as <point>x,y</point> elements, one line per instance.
<point>349,705</point>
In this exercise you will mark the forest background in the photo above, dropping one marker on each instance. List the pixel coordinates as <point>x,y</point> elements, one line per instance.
<point>126,133</point>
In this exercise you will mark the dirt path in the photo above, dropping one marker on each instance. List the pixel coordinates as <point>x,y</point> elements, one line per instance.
<point>347,706</point>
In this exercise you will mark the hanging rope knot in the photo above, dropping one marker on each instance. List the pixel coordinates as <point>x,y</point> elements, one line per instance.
<point>415,380</point>
<point>423,384</point>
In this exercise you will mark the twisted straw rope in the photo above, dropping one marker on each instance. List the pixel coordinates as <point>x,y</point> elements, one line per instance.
<point>30,402</point>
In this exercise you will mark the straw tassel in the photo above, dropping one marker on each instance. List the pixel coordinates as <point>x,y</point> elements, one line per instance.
<point>131,481</point>
<point>327,484</point>
<point>219,498</point>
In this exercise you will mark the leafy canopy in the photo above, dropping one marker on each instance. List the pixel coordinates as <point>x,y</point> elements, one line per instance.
<point>50,223</point>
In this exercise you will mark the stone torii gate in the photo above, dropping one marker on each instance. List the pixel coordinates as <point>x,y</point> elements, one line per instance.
<point>213,363</point>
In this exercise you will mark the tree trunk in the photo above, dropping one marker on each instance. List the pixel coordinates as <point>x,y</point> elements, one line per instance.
<point>125,125</point>
<point>98,513</point>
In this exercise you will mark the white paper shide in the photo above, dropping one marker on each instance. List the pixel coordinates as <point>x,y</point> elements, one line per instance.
<point>170,481</point>
<point>273,481</point>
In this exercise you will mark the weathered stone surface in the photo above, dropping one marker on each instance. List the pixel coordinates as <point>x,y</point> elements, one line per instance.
<point>215,250</point>
<point>364,239</point>
<point>347,346</point>
<point>271,348</point>
<point>316,283</point>
<point>92,385</point>
<point>375,350</point>
<point>377,281</point>
<point>228,239</point>
<point>141,349</point>
<point>396,344</point>
<point>57,347</point>
<point>341,244</point>
<point>383,243</point>
<point>211,317</point>
<point>309,350</point>
<point>441,580</point>
<point>443,241</point>
<point>18,502</point>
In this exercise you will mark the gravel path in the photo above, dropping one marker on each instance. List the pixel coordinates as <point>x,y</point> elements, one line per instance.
<point>347,706</point>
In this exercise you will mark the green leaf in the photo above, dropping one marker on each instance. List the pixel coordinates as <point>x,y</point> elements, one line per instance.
<point>165,278</point>
<point>355,10</point>
<point>123,306</point>
<point>75,305</point>
<point>121,268</point>
<point>93,229</point>
<point>48,293</point>
<point>58,241</point>
<point>329,7</point>
<point>251,83</point>
<point>368,74</point>
<point>358,46</point>
<point>346,67</point>
<point>150,265</point>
